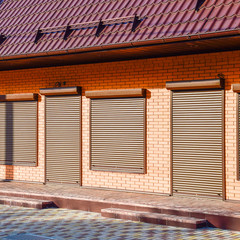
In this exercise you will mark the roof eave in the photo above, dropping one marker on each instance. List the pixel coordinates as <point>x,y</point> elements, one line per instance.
<point>210,35</point>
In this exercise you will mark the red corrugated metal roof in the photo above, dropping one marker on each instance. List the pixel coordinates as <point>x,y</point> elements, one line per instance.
<point>160,19</point>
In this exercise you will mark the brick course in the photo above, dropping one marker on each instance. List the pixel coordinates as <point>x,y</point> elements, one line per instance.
<point>152,75</point>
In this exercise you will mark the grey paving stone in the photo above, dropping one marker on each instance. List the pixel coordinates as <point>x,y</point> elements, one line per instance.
<point>24,236</point>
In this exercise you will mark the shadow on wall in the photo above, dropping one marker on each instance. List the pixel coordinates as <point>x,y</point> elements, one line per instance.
<point>9,172</point>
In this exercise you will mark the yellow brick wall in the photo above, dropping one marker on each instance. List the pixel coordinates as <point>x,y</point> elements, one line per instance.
<point>152,75</point>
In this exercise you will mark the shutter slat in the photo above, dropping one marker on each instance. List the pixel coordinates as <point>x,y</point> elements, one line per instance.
<point>118,134</point>
<point>197,142</point>
<point>63,139</point>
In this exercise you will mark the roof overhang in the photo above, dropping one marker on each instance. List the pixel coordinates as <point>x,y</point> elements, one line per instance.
<point>126,51</point>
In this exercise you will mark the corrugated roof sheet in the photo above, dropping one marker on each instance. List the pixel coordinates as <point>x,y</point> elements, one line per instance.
<point>160,19</point>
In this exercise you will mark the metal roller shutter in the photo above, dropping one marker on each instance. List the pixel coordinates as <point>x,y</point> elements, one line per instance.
<point>118,134</point>
<point>63,139</point>
<point>18,133</point>
<point>197,128</point>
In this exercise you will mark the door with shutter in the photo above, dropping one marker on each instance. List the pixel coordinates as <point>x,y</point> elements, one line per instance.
<point>63,122</point>
<point>197,142</point>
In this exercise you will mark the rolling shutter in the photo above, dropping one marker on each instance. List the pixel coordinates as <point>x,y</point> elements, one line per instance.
<point>18,133</point>
<point>118,134</point>
<point>197,128</point>
<point>63,138</point>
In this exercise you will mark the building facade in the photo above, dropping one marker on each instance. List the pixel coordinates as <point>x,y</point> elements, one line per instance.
<point>117,124</point>
<point>149,74</point>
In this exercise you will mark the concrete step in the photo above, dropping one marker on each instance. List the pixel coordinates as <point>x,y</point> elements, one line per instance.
<point>26,202</point>
<point>155,218</point>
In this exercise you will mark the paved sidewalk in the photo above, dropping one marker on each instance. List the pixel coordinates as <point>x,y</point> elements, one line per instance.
<point>75,192</point>
<point>30,224</point>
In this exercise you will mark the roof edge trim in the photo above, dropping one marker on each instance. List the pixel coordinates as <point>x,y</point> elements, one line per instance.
<point>232,33</point>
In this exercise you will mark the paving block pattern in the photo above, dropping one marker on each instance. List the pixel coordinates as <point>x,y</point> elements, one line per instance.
<point>63,224</point>
<point>23,236</point>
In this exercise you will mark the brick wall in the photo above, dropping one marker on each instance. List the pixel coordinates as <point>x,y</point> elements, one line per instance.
<point>151,74</point>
